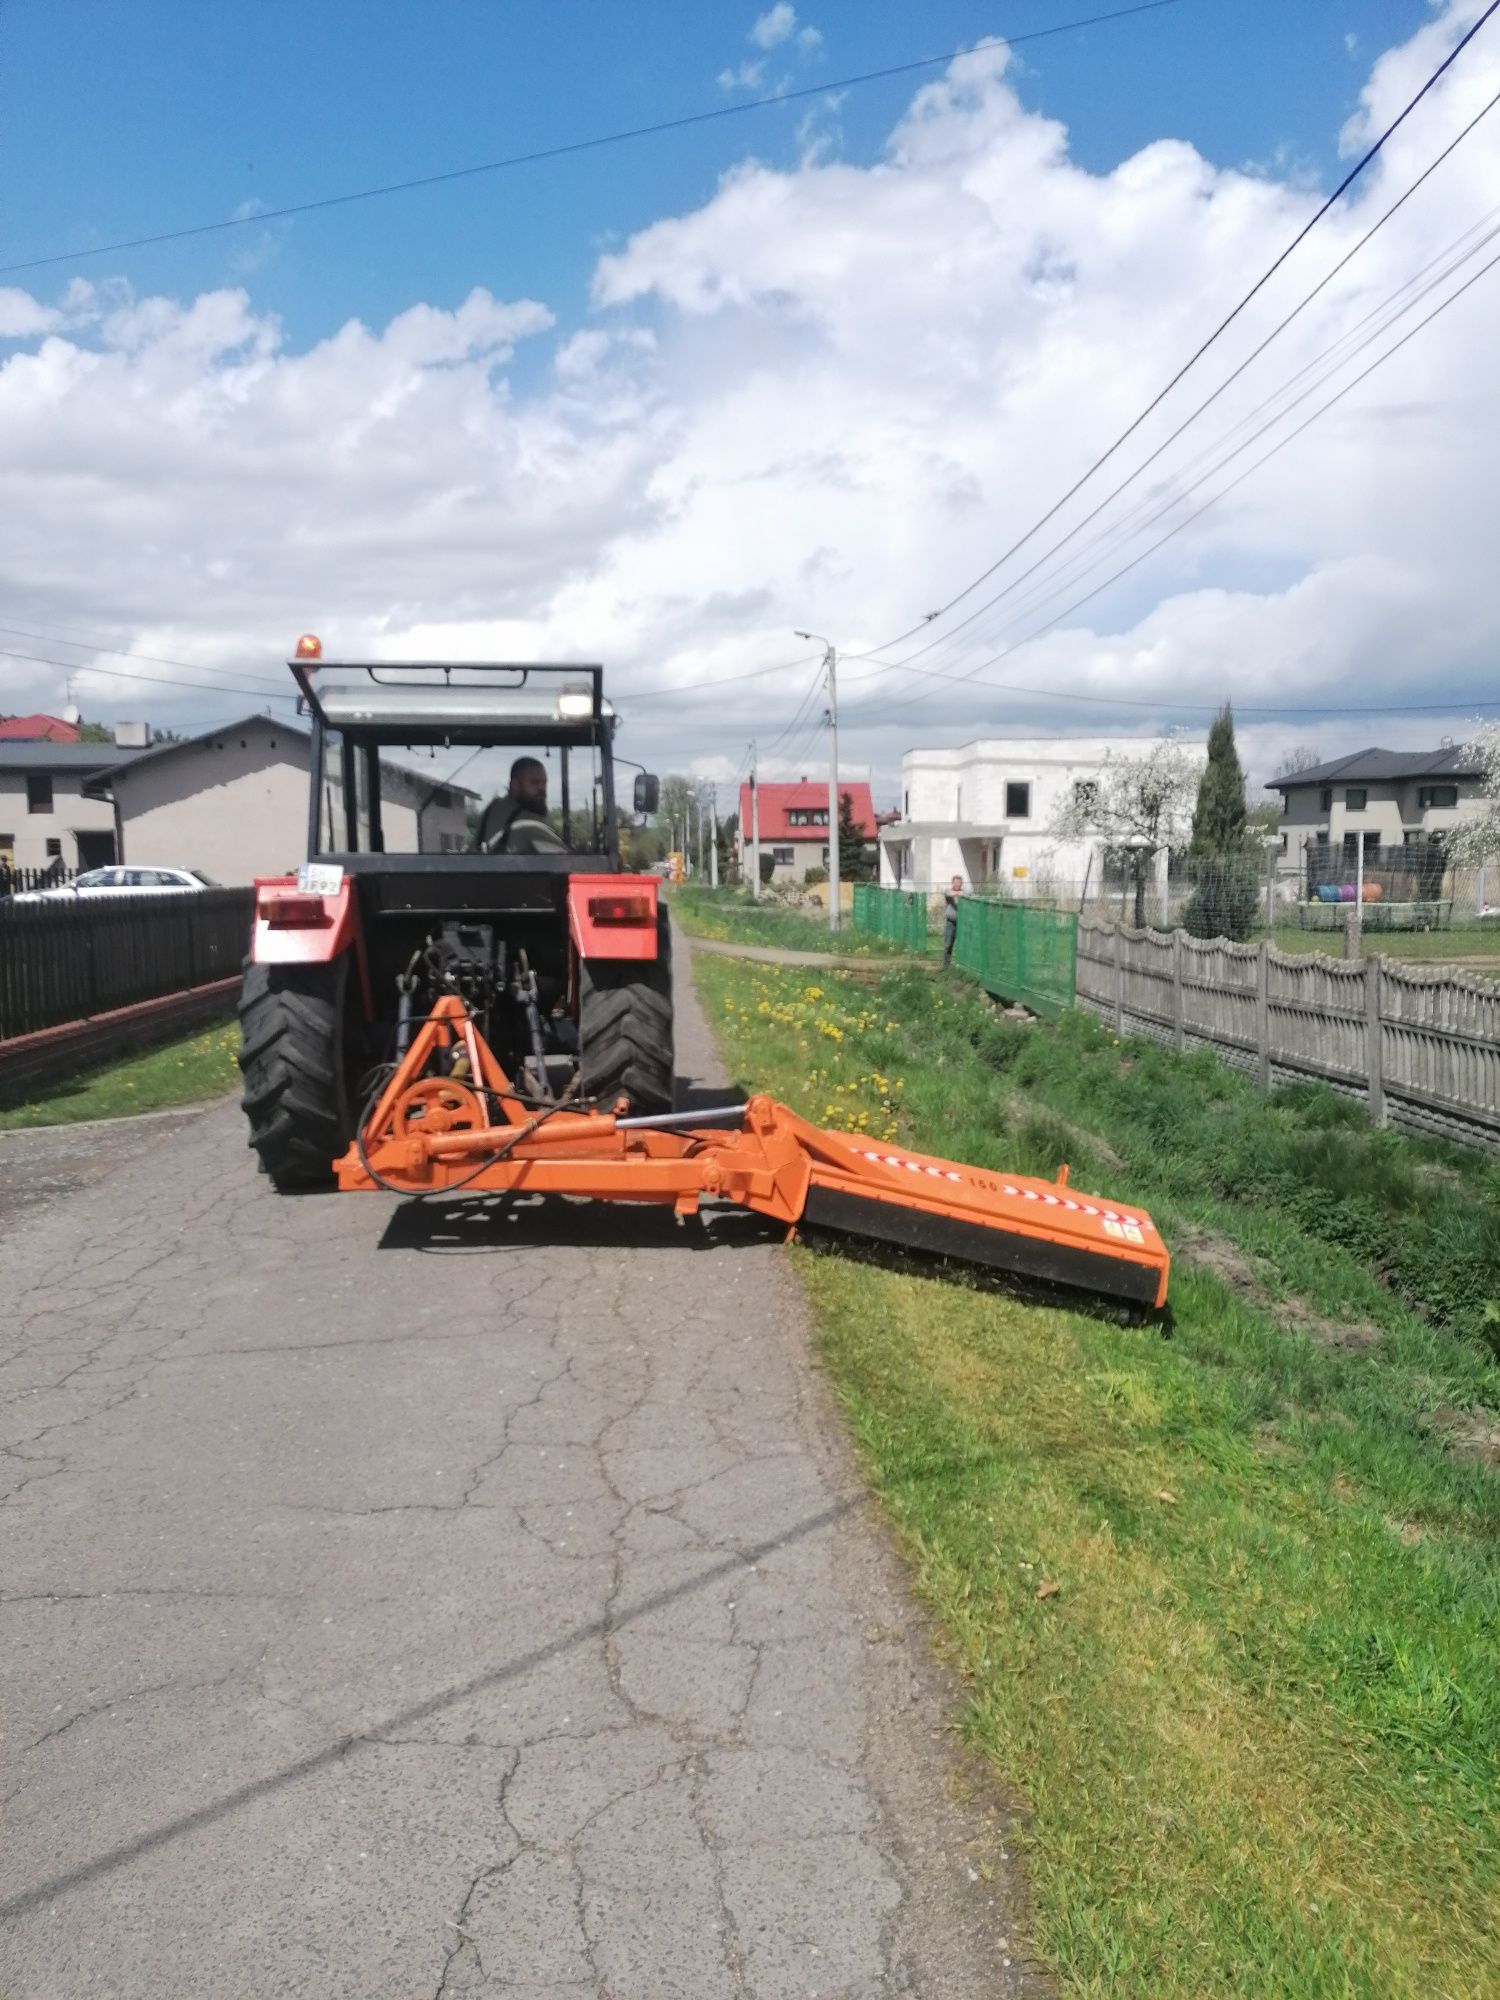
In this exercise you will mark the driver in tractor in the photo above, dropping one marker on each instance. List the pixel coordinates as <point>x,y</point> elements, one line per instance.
<point>518,823</point>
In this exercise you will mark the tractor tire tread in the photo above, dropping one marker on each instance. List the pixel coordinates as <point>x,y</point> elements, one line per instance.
<point>292,1061</point>
<point>626,1028</point>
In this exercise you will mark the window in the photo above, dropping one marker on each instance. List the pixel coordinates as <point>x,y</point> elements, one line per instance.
<point>807,816</point>
<point>1325,799</point>
<point>39,792</point>
<point>1440,796</point>
<point>1018,801</point>
<point>906,805</point>
<point>54,849</point>
<point>783,857</point>
<point>1086,795</point>
<point>1355,798</point>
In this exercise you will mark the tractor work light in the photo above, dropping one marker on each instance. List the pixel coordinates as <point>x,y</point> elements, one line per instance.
<point>622,910</point>
<point>574,703</point>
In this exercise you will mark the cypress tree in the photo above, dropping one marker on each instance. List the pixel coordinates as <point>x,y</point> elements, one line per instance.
<point>1219,816</point>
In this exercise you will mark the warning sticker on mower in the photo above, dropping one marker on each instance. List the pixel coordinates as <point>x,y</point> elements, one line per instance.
<point>1126,1232</point>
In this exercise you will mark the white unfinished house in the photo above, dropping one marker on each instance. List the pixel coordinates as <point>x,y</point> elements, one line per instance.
<point>983,812</point>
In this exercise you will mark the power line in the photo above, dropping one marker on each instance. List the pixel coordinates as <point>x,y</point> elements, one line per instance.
<point>1347,182</point>
<point>123,653</point>
<point>573,146</point>
<point>1126,530</point>
<point>799,714</point>
<point>1280,445</point>
<point>676,693</point>
<point>154,680</point>
<point>1280,327</point>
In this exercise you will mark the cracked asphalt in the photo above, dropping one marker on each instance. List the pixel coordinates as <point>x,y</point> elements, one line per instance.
<point>448,1600</point>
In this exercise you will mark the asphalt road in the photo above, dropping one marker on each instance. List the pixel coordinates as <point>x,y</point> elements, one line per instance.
<point>450,1600</point>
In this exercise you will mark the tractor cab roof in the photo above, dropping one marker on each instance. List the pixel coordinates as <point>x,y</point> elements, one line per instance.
<point>500,703</point>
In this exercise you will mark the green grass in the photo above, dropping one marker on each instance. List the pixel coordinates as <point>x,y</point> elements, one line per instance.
<point>181,1072</point>
<point>734,917</point>
<point>1256,1729</point>
<point>1478,941</point>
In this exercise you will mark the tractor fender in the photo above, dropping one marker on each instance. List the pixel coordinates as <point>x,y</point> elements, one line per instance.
<point>296,926</point>
<point>613,916</point>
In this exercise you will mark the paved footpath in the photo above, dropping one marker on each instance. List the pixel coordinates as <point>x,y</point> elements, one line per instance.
<point>445,1600</point>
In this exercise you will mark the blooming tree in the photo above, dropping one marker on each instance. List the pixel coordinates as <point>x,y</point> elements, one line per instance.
<point>1473,840</point>
<point>1141,803</point>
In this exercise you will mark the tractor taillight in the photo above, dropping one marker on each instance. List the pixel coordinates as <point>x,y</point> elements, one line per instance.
<point>284,908</point>
<point>622,910</point>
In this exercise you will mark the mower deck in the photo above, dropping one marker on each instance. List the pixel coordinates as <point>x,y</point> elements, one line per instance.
<point>449,1120</point>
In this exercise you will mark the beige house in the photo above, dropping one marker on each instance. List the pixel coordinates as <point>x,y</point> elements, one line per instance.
<point>47,818</point>
<point>232,803</point>
<point>1382,798</point>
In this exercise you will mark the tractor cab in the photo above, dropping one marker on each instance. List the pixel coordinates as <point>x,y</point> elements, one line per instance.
<point>462,838</point>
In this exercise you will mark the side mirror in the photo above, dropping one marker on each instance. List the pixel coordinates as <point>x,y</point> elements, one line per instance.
<point>647,792</point>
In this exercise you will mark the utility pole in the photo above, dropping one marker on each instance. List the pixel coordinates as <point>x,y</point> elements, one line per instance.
<point>831,662</point>
<point>698,802</point>
<point>754,829</point>
<point>713,836</point>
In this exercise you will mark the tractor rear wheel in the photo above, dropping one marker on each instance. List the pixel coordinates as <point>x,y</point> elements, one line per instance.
<point>292,1059</point>
<point>625,1027</point>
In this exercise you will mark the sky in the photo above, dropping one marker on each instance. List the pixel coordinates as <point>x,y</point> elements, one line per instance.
<point>818,364</point>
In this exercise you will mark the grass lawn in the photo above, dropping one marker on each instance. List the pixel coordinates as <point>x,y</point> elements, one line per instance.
<point>1226,1605</point>
<point>180,1072</point>
<point>734,917</point>
<point>1478,943</point>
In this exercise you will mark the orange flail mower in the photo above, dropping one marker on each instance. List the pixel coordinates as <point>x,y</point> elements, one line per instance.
<point>450,1120</point>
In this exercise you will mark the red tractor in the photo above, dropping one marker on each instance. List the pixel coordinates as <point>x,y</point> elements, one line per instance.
<point>560,957</point>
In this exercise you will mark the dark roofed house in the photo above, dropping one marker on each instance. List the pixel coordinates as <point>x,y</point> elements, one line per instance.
<point>1385,798</point>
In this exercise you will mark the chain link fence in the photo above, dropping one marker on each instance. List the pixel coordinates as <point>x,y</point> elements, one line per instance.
<point>1318,896</point>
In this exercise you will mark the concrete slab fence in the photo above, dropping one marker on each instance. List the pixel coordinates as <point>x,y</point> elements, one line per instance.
<point>1420,1047</point>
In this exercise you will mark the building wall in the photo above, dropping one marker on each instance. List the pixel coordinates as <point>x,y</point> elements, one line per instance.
<point>1391,811</point>
<point>24,834</point>
<point>235,807</point>
<point>965,789</point>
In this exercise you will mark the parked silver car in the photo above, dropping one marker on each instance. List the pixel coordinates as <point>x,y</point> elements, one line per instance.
<point>120,881</point>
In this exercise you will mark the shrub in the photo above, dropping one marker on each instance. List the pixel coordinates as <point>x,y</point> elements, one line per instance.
<point>1225,901</point>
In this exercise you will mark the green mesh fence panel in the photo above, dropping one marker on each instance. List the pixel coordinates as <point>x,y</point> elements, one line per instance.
<point>898,915</point>
<point>1018,952</point>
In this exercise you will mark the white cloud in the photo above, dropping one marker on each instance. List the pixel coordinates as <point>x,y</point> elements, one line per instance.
<point>829,396</point>
<point>774,26</point>
<point>749,76</point>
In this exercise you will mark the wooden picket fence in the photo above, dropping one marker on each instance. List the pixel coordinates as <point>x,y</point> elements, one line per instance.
<point>1422,1048</point>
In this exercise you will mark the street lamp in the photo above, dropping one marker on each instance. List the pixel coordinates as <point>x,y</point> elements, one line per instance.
<point>831,661</point>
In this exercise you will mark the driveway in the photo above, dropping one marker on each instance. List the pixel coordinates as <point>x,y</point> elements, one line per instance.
<point>450,1599</point>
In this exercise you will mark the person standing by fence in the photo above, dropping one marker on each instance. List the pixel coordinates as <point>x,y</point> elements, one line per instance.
<point>950,918</point>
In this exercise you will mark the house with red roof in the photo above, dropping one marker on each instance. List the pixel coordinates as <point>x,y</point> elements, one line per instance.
<point>37,729</point>
<point>794,825</point>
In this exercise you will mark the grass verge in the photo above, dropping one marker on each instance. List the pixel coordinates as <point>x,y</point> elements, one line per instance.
<point>182,1072</point>
<point>1226,1605</point>
<point>733,916</point>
